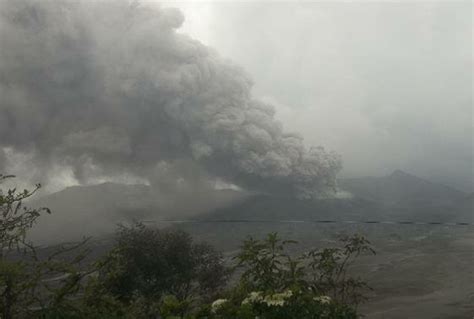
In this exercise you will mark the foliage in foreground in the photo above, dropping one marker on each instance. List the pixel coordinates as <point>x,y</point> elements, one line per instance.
<point>152,273</point>
<point>147,266</point>
<point>30,283</point>
<point>273,284</point>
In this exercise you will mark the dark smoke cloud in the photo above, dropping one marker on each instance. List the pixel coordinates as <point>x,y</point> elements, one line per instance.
<point>111,87</point>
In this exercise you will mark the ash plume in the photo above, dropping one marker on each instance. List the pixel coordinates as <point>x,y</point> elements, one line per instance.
<point>112,87</point>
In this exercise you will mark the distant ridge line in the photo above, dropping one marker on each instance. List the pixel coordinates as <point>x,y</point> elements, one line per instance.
<point>289,221</point>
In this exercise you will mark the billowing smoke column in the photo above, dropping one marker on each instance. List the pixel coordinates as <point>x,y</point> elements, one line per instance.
<point>112,87</point>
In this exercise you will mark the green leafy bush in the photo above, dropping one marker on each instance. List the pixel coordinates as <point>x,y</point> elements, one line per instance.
<point>158,266</point>
<point>275,285</point>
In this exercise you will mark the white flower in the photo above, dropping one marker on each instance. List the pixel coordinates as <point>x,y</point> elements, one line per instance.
<point>278,299</point>
<point>217,304</point>
<point>322,299</point>
<point>271,301</point>
<point>286,294</point>
<point>254,297</point>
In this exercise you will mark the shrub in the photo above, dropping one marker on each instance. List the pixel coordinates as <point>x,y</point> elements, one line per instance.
<point>153,265</point>
<point>276,285</point>
<point>26,286</point>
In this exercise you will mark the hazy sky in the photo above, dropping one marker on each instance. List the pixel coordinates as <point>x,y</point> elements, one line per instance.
<point>93,90</point>
<point>387,85</point>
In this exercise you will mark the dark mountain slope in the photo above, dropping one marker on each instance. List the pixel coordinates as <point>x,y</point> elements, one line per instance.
<point>402,189</point>
<point>265,207</point>
<point>96,209</point>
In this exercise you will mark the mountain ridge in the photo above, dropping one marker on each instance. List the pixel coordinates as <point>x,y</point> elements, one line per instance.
<point>401,188</point>
<point>95,209</point>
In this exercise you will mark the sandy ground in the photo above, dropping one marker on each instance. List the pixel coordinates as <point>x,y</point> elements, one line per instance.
<point>427,278</point>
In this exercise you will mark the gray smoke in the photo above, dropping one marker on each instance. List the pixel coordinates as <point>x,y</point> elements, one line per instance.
<point>112,87</point>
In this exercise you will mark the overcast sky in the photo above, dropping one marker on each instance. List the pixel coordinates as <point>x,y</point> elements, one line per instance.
<point>387,85</point>
<point>97,90</point>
